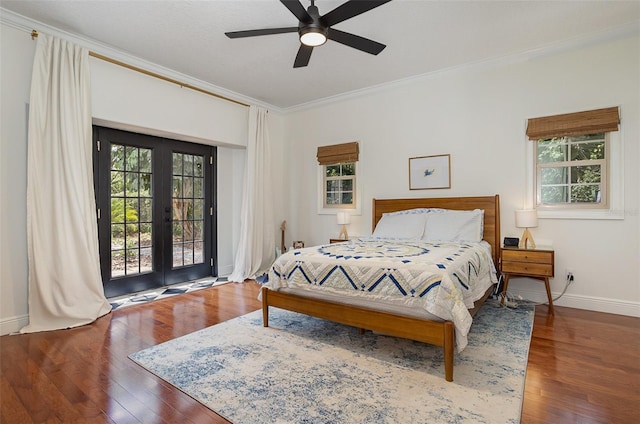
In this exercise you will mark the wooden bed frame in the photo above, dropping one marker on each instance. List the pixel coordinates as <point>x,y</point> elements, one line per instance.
<point>439,333</point>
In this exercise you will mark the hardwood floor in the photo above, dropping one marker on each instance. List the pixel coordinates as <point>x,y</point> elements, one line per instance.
<point>583,366</point>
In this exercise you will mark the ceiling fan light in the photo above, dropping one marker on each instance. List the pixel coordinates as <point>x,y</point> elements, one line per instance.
<point>313,37</point>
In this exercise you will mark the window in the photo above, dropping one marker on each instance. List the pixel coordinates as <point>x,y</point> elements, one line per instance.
<point>576,166</point>
<point>572,171</point>
<point>339,185</point>
<point>337,178</point>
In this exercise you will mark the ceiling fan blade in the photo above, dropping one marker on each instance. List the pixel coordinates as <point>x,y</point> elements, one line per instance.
<point>257,32</point>
<point>355,41</point>
<point>298,10</point>
<point>349,10</point>
<point>303,56</point>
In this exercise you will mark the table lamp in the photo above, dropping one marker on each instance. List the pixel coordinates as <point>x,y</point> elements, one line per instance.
<point>343,219</point>
<point>526,219</point>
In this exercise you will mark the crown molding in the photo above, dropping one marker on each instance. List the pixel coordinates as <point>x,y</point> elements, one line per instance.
<point>624,31</point>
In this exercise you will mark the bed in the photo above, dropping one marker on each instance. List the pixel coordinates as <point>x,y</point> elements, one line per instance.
<point>423,319</point>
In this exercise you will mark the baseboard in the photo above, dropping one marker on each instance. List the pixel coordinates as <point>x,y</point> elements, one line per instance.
<point>590,303</point>
<point>13,324</point>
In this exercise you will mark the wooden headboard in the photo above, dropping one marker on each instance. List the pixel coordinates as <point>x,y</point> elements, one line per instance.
<point>490,205</point>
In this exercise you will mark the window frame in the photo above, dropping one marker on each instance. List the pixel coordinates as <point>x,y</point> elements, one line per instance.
<point>354,190</point>
<point>615,179</point>
<point>355,209</point>
<point>604,177</point>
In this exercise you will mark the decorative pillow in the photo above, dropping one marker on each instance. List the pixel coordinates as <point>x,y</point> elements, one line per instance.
<point>400,226</point>
<point>455,226</point>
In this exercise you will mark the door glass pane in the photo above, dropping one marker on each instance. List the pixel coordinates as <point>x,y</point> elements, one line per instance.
<point>188,204</point>
<point>131,215</point>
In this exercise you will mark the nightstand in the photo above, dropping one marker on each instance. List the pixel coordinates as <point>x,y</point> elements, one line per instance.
<point>335,240</point>
<point>535,263</point>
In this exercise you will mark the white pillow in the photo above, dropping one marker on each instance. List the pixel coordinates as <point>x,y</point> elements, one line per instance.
<point>455,226</point>
<point>415,211</point>
<point>404,226</point>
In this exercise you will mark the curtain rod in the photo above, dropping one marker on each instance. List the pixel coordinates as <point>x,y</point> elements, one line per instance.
<point>34,35</point>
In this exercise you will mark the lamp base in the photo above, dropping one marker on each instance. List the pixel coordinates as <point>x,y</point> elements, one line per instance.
<point>343,232</point>
<point>526,241</point>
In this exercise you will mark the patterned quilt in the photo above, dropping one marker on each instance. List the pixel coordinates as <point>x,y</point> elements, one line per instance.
<point>443,278</point>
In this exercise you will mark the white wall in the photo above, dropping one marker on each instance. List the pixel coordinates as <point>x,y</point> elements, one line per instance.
<point>121,98</point>
<point>479,115</point>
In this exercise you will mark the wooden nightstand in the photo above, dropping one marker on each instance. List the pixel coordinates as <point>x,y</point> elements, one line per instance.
<point>534,263</point>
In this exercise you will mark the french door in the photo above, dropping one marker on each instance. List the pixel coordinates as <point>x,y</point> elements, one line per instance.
<point>155,198</point>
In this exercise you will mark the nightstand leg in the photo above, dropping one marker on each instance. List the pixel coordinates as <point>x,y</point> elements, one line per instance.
<point>504,288</point>
<point>546,285</point>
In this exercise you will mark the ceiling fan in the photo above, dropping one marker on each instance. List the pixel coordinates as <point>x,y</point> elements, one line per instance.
<point>314,30</point>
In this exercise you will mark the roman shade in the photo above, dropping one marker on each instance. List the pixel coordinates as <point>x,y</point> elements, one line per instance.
<point>579,123</point>
<point>338,153</point>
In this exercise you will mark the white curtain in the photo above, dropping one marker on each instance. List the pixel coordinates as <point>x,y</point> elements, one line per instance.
<point>256,248</point>
<point>65,286</point>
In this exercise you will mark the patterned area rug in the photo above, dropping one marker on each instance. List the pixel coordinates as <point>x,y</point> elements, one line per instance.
<point>306,370</point>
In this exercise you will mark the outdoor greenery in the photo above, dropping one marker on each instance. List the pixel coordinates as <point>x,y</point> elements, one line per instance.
<point>339,181</point>
<point>571,168</point>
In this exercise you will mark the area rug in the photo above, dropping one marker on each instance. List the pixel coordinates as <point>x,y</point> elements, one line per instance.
<point>306,370</point>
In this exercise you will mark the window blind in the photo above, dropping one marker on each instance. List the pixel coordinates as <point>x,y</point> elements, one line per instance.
<point>578,123</point>
<point>338,153</point>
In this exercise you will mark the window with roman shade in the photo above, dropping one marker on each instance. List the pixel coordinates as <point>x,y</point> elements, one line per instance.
<point>339,169</point>
<point>571,158</point>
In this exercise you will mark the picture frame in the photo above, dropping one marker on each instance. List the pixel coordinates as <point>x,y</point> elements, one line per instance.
<point>430,172</point>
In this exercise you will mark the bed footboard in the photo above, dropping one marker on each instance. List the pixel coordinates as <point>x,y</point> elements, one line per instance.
<point>419,329</point>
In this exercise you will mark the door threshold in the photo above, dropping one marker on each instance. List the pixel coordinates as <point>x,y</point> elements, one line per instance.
<point>139,298</point>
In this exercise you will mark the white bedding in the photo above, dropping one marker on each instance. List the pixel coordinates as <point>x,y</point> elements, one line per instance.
<point>443,279</point>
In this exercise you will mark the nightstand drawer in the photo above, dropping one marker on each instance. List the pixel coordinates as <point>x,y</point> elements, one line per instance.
<point>528,268</point>
<point>527,256</point>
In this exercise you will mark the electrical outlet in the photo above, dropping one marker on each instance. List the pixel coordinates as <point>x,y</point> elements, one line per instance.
<point>570,276</point>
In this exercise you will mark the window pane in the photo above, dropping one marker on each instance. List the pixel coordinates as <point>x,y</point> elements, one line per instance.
<point>131,159</point>
<point>349,168</point>
<point>333,199</point>
<point>177,254</point>
<point>187,186</point>
<point>117,236</point>
<point>333,185</point>
<point>117,183</point>
<point>554,194</point>
<point>552,150</point>
<point>132,261</point>
<point>131,187</point>
<point>187,229</point>
<point>585,174</point>
<point>197,187</point>
<point>347,198</point>
<point>347,185</point>
<point>145,235</point>
<point>145,210</point>
<point>177,164</point>
<point>554,175</point>
<point>589,193</point>
<point>587,151</point>
<point>145,160</point>
<point>117,157</point>
<point>198,166</point>
<point>117,210</point>
<point>131,210</point>
<point>117,263</point>
<point>333,170</point>
<point>132,236</point>
<point>198,231</point>
<point>197,209</point>
<point>146,260</point>
<point>177,187</point>
<point>188,165</point>
<point>145,185</point>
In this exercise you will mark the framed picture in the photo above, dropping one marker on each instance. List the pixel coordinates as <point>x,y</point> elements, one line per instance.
<point>426,172</point>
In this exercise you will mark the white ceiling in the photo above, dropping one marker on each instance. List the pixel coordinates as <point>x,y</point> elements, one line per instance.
<point>422,37</point>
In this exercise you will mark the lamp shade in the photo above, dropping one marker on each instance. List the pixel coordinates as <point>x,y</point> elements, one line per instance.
<point>527,218</point>
<point>343,218</point>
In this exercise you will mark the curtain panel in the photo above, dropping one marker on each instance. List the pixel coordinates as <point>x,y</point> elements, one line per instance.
<point>256,248</point>
<point>65,286</point>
